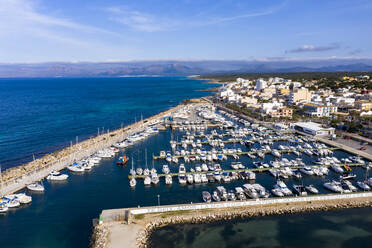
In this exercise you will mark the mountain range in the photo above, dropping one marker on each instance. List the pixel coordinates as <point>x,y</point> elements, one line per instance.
<point>179,67</point>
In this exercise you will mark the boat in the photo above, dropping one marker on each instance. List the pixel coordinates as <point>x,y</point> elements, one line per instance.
<point>250,175</point>
<point>240,193</point>
<point>215,196</point>
<point>75,167</point>
<point>261,190</point>
<point>139,171</point>
<point>363,185</point>
<point>132,171</point>
<point>337,168</point>
<point>348,186</point>
<point>165,169</point>
<point>333,186</point>
<point>3,207</point>
<point>250,191</point>
<point>168,179</point>
<point>37,187</point>
<point>203,178</point>
<point>56,176</point>
<point>21,197</point>
<point>182,169</point>
<point>311,188</point>
<point>182,179</point>
<point>231,196</point>
<point>299,190</point>
<point>204,167</point>
<point>222,193</point>
<point>277,192</point>
<point>206,196</point>
<point>283,187</point>
<point>154,178</point>
<point>122,160</point>
<point>197,178</point>
<point>190,178</point>
<point>132,182</point>
<point>307,170</point>
<point>147,181</point>
<point>347,176</point>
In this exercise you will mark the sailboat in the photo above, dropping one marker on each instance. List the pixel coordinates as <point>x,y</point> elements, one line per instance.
<point>153,170</point>
<point>146,171</point>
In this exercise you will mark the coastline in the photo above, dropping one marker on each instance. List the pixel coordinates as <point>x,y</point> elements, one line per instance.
<point>16,178</point>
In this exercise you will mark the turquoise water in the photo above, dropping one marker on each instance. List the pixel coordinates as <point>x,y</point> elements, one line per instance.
<point>333,229</point>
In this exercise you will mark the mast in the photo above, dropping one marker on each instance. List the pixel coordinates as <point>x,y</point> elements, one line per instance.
<point>146,156</point>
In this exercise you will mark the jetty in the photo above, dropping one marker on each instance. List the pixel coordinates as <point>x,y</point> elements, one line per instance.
<point>132,227</point>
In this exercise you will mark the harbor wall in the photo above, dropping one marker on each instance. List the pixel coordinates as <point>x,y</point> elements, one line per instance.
<point>151,218</point>
<point>16,178</point>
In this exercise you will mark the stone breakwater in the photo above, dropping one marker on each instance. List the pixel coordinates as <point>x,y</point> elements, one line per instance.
<point>100,237</point>
<point>144,236</point>
<point>16,178</point>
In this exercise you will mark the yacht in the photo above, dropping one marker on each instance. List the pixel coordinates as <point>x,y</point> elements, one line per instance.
<point>22,198</point>
<point>307,170</point>
<point>250,191</point>
<point>37,187</point>
<point>206,196</point>
<point>337,169</point>
<point>165,169</point>
<point>57,176</point>
<point>311,188</point>
<point>363,186</point>
<point>281,186</point>
<point>347,185</point>
<point>277,192</point>
<point>333,186</point>
<point>132,182</point>
<point>250,175</point>
<point>261,190</point>
<point>347,176</point>
<point>75,167</point>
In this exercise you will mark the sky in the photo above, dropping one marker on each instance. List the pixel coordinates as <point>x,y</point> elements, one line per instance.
<point>125,30</point>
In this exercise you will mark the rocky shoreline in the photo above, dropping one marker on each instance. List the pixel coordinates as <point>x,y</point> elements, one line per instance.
<point>144,236</point>
<point>100,237</point>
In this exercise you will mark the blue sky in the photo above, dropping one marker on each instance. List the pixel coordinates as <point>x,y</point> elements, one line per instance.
<point>120,30</point>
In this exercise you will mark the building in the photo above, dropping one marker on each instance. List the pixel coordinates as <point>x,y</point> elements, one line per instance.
<point>319,110</point>
<point>313,128</point>
<point>282,112</point>
<point>299,95</point>
<point>363,105</point>
<point>260,84</point>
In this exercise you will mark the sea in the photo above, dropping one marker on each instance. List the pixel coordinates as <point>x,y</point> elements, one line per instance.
<point>38,116</point>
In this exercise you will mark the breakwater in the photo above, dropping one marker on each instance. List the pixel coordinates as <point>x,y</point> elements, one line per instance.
<point>16,178</point>
<point>152,218</point>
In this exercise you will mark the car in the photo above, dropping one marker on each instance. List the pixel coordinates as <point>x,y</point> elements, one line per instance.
<point>363,148</point>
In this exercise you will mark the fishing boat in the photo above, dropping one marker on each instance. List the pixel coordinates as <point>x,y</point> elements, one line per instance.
<point>299,190</point>
<point>57,176</point>
<point>122,160</point>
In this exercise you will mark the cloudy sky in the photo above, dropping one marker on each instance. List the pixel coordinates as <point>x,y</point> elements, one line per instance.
<point>121,30</point>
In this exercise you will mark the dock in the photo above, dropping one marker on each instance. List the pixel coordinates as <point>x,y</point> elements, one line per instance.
<point>242,170</point>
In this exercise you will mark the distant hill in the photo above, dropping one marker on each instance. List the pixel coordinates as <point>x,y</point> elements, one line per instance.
<point>182,68</point>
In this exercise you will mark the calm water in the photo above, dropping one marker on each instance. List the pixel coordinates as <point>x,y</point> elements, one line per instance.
<point>48,113</point>
<point>333,229</point>
<point>41,115</point>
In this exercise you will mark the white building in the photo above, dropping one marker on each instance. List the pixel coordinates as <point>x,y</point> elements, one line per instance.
<point>260,84</point>
<point>313,128</point>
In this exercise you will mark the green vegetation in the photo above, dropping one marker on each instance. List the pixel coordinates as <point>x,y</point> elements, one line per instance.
<point>139,216</point>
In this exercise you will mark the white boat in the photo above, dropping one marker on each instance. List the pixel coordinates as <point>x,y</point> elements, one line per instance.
<point>168,179</point>
<point>347,185</point>
<point>204,167</point>
<point>250,175</point>
<point>165,169</point>
<point>182,179</point>
<point>283,187</point>
<point>250,191</point>
<point>206,196</point>
<point>57,176</point>
<point>277,192</point>
<point>312,189</point>
<point>190,178</point>
<point>147,181</point>
<point>154,178</point>
<point>139,171</point>
<point>37,187</point>
<point>333,186</point>
<point>132,182</point>
<point>261,190</point>
<point>363,186</point>
<point>307,170</point>
<point>337,169</point>
<point>182,169</point>
<point>23,198</point>
<point>75,167</point>
<point>3,208</point>
<point>203,178</point>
